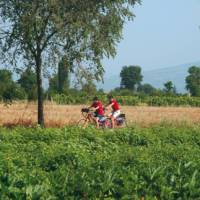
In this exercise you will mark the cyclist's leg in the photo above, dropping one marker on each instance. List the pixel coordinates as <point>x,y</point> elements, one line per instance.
<point>97,121</point>
<point>114,116</point>
<point>112,119</point>
<point>100,119</point>
<point>92,118</point>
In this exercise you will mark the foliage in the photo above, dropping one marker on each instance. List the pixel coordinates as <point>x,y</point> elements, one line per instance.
<point>53,84</point>
<point>137,100</point>
<point>63,75</point>
<point>162,162</point>
<point>169,87</point>
<point>60,81</point>
<point>131,77</point>
<point>9,90</point>
<point>122,92</point>
<point>193,81</point>
<point>146,89</point>
<point>28,82</point>
<point>89,88</point>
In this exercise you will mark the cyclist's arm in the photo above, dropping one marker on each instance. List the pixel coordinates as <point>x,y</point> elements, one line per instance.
<point>93,108</point>
<point>109,105</point>
<point>96,108</point>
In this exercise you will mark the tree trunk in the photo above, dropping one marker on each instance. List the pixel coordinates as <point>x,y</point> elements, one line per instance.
<point>40,92</point>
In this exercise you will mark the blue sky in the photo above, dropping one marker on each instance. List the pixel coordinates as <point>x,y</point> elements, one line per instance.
<point>164,33</point>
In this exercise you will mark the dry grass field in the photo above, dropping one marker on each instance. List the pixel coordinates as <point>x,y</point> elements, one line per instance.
<point>62,115</point>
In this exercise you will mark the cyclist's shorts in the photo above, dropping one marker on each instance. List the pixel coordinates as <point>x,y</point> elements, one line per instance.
<point>115,114</point>
<point>100,117</point>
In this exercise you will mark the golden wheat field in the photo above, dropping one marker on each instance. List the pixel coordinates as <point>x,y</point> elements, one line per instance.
<point>62,115</point>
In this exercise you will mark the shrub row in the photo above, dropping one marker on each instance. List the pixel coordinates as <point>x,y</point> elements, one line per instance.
<point>131,100</point>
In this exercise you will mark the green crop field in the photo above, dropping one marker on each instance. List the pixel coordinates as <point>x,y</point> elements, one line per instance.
<point>161,162</point>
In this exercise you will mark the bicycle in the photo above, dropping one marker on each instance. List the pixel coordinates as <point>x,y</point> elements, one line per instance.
<point>88,119</point>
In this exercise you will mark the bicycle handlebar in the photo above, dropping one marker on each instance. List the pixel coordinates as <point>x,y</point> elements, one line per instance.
<point>85,110</point>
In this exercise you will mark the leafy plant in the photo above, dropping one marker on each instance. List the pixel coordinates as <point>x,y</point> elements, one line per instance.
<point>161,162</point>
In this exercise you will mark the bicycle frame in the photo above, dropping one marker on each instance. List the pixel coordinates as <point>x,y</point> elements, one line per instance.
<point>88,117</point>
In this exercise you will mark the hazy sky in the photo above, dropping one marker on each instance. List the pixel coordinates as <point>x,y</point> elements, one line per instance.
<point>164,33</point>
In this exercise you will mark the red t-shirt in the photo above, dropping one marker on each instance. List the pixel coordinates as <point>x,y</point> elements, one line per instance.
<point>115,105</point>
<point>100,110</point>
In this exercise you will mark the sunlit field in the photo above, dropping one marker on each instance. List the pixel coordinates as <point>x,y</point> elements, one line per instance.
<point>63,115</point>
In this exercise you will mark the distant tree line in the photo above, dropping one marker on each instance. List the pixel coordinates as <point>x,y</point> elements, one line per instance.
<point>131,83</point>
<point>59,83</point>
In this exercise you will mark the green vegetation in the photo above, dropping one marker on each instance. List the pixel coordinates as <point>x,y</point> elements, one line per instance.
<point>28,83</point>
<point>60,81</point>
<point>131,77</point>
<point>193,81</point>
<point>83,98</point>
<point>161,162</point>
<point>169,88</point>
<point>9,89</point>
<point>25,87</point>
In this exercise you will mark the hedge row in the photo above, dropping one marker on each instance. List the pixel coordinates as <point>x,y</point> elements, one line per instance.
<point>132,100</point>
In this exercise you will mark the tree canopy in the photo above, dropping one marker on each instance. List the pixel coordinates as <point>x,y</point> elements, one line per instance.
<point>146,89</point>
<point>169,87</point>
<point>9,90</point>
<point>131,77</point>
<point>64,69</point>
<point>193,81</point>
<point>84,31</point>
<point>28,82</point>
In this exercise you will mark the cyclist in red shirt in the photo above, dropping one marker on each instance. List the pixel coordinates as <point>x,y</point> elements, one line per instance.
<point>115,109</point>
<point>98,110</point>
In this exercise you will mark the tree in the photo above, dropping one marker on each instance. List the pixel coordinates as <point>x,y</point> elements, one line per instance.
<point>131,77</point>
<point>41,32</point>
<point>89,88</point>
<point>193,81</point>
<point>9,89</point>
<point>5,80</point>
<point>169,87</point>
<point>53,84</point>
<point>28,82</point>
<point>146,89</point>
<point>63,75</point>
<point>118,91</point>
<point>60,82</point>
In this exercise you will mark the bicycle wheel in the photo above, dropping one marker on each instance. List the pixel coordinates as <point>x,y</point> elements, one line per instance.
<point>125,124</point>
<point>82,123</point>
<point>122,124</point>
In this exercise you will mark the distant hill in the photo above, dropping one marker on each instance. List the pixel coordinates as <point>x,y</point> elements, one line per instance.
<point>156,77</point>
